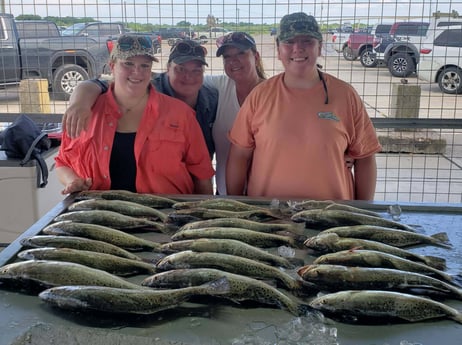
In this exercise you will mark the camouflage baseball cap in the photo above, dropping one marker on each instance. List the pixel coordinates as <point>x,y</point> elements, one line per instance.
<point>296,24</point>
<point>128,46</point>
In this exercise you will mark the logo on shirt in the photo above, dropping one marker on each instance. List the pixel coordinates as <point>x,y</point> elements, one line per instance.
<point>327,115</point>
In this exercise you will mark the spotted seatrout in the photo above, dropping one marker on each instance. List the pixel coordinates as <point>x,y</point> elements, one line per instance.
<point>255,238</point>
<point>111,219</point>
<point>330,205</point>
<point>76,242</point>
<point>230,263</point>
<point>325,218</point>
<point>101,233</point>
<point>127,208</point>
<point>338,277</point>
<point>242,288</point>
<point>244,224</point>
<point>369,306</point>
<point>217,204</point>
<point>328,243</point>
<point>393,237</point>
<point>37,275</point>
<point>228,246</point>
<point>127,301</point>
<point>373,258</point>
<point>106,262</point>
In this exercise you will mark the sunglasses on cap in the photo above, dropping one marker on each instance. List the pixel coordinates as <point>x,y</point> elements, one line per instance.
<point>126,43</point>
<point>188,49</point>
<point>238,38</point>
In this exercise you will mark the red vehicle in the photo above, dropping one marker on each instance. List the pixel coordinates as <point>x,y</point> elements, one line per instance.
<point>361,43</point>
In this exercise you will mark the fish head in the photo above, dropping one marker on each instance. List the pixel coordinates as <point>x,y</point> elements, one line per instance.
<point>322,242</point>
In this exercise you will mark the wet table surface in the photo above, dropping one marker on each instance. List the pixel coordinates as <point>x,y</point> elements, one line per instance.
<point>24,319</point>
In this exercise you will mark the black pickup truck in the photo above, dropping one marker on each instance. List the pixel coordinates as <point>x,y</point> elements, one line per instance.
<point>63,61</point>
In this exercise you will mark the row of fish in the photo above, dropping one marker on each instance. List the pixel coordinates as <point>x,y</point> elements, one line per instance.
<point>219,247</point>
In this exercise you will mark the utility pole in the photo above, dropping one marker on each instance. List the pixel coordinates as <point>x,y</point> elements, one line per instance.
<point>2,6</point>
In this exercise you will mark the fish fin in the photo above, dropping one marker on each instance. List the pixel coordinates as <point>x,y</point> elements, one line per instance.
<point>443,238</point>
<point>304,310</point>
<point>435,262</point>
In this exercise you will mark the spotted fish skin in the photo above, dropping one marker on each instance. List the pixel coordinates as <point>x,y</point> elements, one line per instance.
<point>127,301</point>
<point>242,288</point>
<point>368,306</point>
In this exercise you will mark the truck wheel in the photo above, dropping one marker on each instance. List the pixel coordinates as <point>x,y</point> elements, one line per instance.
<point>65,80</point>
<point>450,80</point>
<point>171,41</point>
<point>348,54</point>
<point>401,65</point>
<point>367,58</point>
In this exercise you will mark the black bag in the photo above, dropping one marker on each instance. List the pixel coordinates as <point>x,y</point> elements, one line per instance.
<point>24,140</point>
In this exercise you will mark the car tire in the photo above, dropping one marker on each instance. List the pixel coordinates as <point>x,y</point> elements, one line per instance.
<point>348,54</point>
<point>401,65</point>
<point>65,79</point>
<point>450,80</point>
<point>367,58</point>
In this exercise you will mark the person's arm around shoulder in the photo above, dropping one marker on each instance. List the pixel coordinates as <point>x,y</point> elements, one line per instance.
<point>237,168</point>
<point>365,175</point>
<point>202,186</point>
<point>71,181</point>
<point>78,113</point>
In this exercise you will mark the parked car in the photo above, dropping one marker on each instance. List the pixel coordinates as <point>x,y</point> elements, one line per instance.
<point>400,50</point>
<point>441,59</point>
<point>362,43</point>
<point>104,31</point>
<point>213,32</point>
<point>273,31</point>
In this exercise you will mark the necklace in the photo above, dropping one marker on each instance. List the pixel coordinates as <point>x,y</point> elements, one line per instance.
<point>126,110</point>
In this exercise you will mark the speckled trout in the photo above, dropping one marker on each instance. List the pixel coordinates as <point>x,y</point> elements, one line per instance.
<point>242,288</point>
<point>369,306</point>
<point>106,262</point>
<point>230,263</point>
<point>373,258</point>
<point>255,238</point>
<point>243,223</point>
<point>217,204</point>
<point>229,246</point>
<point>37,275</point>
<point>76,242</point>
<point>111,219</point>
<point>127,208</point>
<point>330,205</point>
<point>339,277</point>
<point>127,301</point>
<point>101,233</point>
<point>393,237</point>
<point>325,218</point>
<point>328,243</point>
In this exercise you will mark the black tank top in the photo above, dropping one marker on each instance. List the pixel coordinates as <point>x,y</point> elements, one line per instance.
<point>122,166</point>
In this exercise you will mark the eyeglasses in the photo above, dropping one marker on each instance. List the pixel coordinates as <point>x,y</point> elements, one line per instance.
<point>236,37</point>
<point>185,48</point>
<point>326,101</point>
<point>126,43</point>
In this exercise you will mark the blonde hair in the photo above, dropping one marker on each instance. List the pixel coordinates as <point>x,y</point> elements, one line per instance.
<point>259,64</point>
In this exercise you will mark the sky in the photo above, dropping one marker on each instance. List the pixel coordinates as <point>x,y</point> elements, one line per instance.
<point>232,11</point>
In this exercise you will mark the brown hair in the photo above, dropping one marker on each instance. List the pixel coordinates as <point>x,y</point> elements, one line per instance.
<point>259,65</point>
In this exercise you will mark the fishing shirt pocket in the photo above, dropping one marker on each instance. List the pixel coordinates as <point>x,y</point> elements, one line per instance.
<point>167,150</point>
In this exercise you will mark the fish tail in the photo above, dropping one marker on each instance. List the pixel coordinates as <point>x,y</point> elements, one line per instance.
<point>435,262</point>
<point>443,238</point>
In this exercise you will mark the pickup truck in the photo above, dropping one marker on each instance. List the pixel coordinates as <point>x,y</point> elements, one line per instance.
<point>63,61</point>
<point>359,44</point>
<point>105,31</point>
